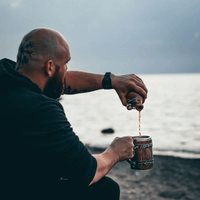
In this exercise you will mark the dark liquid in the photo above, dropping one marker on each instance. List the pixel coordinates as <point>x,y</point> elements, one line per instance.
<point>139,125</point>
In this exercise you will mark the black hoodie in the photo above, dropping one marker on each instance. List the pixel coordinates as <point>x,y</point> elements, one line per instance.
<point>37,143</point>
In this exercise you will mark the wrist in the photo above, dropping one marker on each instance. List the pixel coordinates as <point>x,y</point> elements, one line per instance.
<point>113,80</point>
<point>111,155</point>
<point>107,81</point>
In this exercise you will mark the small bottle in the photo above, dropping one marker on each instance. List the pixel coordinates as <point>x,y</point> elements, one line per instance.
<point>134,101</point>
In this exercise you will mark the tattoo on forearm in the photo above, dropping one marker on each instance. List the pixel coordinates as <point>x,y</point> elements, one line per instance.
<point>75,91</point>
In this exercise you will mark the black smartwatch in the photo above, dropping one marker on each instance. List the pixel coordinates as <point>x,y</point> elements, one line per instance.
<point>106,82</point>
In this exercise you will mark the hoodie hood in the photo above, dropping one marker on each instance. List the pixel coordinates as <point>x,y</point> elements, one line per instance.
<point>11,79</point>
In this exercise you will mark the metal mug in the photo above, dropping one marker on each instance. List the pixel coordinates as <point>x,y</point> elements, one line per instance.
<point>143,154</point>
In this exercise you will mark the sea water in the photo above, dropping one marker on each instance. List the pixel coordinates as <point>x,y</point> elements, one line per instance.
<point>171,115</point>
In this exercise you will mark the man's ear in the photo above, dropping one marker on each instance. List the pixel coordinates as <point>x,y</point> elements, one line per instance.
<point>50,68</point>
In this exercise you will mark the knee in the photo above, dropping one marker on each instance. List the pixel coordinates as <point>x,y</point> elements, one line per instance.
<point>114,186</point>
<point>111,188</point>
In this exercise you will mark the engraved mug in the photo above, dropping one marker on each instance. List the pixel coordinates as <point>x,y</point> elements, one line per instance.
<point>143,154</point>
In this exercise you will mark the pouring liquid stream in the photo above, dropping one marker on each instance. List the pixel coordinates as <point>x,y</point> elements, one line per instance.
<point>139,125</point>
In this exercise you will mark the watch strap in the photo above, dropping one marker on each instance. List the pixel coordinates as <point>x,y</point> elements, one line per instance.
<point>106,82</point>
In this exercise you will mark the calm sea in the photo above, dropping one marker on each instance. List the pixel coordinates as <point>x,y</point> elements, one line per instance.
<point>171,115</point>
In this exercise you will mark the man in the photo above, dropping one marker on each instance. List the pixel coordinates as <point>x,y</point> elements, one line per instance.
<point>41,156</point>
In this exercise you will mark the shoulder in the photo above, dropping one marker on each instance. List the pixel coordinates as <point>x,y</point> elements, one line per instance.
<point>7,62</point>
<point>27,101</point>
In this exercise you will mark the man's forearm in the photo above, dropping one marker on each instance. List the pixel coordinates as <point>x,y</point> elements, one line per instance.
<point>105,162</point>
<point>79,82</point>
<point>120,149</point>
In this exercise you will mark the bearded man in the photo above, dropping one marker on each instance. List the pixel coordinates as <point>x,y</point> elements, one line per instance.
<point>41,156</point>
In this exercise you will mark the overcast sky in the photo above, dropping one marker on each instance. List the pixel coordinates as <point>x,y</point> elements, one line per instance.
<point>121,36</point>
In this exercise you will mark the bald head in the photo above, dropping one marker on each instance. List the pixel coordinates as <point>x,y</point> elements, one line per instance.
<point>39,46</point>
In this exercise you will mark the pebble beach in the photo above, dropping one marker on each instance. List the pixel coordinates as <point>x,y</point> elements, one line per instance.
<point>170,178</point>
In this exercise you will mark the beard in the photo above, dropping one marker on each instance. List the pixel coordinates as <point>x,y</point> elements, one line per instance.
<point>54,87</point>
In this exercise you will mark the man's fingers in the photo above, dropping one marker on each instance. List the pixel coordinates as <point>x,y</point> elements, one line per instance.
<point>122,97</point>
<point>142,92</point>
<point>123,100</point>
<point>130,83</point>
<point>138,81</point>
<point>141,84</point>
<point>139,90</point>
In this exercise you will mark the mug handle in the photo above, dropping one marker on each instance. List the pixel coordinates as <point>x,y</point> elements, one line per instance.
<point>131,161</point>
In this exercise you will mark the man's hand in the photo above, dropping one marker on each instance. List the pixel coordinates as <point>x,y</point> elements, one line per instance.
<point>124,84</point>
<point>119,150</point>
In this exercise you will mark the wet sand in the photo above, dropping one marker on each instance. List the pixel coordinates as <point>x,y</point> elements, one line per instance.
<point>170,178</point>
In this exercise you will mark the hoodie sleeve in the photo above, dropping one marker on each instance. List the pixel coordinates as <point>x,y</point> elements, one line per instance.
<point>49,135</point>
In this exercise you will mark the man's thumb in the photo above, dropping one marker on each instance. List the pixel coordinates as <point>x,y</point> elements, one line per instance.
<point>123,100</point>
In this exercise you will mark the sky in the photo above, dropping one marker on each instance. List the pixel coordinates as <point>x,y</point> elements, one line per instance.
<point>120,36</point>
